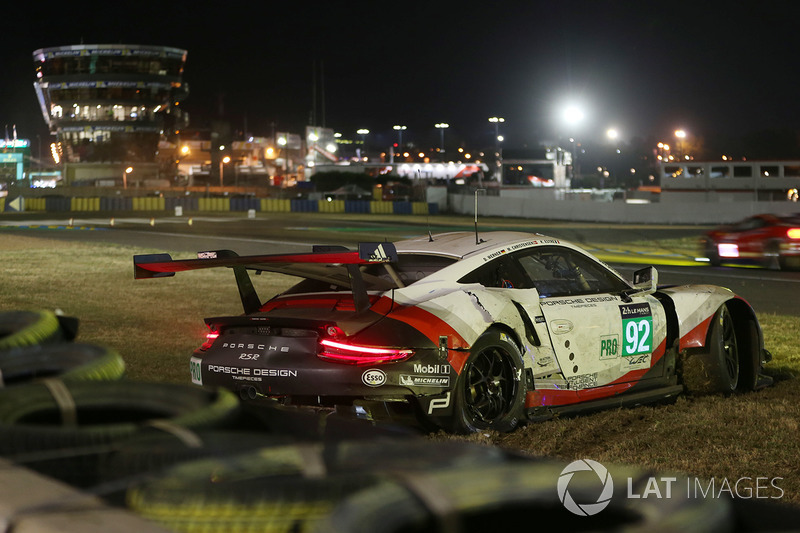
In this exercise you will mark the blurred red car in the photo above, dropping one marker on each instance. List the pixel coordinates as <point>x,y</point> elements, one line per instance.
<point>768,240</point>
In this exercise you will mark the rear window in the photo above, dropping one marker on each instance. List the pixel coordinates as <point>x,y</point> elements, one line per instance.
<point>380,276</point>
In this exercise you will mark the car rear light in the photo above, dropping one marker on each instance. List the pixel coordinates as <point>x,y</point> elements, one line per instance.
<point>354,354</point>
<point>793,233</point>
<point>211,336</point>
<point>728,249</point>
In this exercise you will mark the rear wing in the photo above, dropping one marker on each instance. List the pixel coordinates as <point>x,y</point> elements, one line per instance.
<point>162,265</point>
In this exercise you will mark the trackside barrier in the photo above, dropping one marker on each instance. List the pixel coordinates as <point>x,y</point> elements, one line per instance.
<point>116,203</point>
<point>245,204</point>
<point>214,204</point>
<point>267,205</point>
<point>149,203</point>
<point>356,206</point>
<point>305,206</point>
<point>381,208</point>
<point>84,204</point>
<point>188,203</point>
<point>279,205</point>
<point>332,206</point>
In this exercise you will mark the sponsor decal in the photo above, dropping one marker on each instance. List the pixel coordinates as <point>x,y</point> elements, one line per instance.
<point>439,403</point>
<point>196,369</point>
<point>378,255</point>
<point>244,371</point>
<point>609,347</point>
<point>206,255</point>
<point>635,362</point>
<point>637,328</point>
<point>374,377</point>
<point>432,369</point>
<point>544,361</point>
<point>588,301</point>
<point>582,381</point>
<point>560,326</point>
<point>410,380</point>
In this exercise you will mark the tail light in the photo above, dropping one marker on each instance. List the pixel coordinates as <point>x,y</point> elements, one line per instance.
<point>793,233</point>
<point>356,354</point>
<point>211,336</point>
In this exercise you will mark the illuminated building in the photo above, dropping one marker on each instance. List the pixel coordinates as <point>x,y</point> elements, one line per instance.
<point>109,104</point>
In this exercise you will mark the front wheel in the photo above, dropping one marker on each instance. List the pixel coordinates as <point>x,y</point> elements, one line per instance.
<point>489,391</point>
<point>716,369</point>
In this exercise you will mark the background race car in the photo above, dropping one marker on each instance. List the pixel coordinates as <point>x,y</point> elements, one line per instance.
<point>766,240</point>
<point>469,332</point>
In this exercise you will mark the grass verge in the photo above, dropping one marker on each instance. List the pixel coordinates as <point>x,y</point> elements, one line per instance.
<point>155,325</point>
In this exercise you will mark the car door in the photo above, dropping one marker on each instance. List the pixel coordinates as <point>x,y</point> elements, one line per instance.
<point>597,337</point>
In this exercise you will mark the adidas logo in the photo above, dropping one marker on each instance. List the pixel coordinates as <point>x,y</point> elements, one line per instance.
<point>378,255</point>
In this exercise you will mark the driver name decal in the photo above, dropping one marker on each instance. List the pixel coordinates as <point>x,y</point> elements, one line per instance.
<point>637,329</point>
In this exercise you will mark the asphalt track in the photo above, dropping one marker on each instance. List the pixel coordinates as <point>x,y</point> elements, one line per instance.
<point>625,247</point>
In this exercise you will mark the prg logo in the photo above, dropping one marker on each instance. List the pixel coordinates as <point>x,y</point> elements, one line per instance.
<point>583,508</point>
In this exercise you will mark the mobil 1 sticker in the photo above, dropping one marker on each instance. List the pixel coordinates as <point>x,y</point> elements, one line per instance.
<point>637,329</point>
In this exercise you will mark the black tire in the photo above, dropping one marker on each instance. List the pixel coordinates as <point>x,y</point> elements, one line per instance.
<point>772,256</point>
<point>716,368</point>
<point>36,416</point>
<point>489,392</point>
<point>712,253</point>
<point>27,328</point>
<point>68,361</point>
<point>289,488</point>
<point>501,497</point>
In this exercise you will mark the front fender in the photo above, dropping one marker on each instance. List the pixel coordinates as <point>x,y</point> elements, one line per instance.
<point>695,306</point>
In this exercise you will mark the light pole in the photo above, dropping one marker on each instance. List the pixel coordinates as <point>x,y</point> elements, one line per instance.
<point>573,115</point>
<point>222,161</point>
<point>363,132</point>
<point>680,135</point>
<point>125,177</point>
<point>442,126</point>
<point>399,129</point>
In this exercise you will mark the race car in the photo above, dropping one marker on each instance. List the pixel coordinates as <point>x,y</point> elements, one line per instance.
<point>766,240</point>
<point>469,332</point>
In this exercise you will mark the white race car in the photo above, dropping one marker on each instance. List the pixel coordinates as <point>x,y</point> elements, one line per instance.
<point>470,332</point>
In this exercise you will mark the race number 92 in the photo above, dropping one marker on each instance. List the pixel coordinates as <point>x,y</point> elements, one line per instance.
<point>637,326</point>
<point>195,367</point>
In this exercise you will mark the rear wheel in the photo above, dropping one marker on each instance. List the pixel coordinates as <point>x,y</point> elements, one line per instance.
<point>716,369</point>
<point>489,392</point>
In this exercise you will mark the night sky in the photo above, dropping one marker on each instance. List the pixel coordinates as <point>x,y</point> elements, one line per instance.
<point>646,68</point>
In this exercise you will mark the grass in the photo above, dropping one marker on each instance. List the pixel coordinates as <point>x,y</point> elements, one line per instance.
<point>155,324</point>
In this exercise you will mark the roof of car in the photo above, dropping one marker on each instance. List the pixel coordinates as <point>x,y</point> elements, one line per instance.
<point>461,244</point>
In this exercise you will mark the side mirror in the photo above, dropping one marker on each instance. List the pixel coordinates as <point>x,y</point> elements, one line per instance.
<point>646,280</point>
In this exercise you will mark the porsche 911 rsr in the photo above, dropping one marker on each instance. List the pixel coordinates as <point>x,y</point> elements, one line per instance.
<point>470,333</point>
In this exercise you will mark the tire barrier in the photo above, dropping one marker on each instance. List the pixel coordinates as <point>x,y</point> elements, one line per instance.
<point>500,497</point>
<point>67,361</point>
<point>228,204</point>
<point>288,488</point>
<point>56,414</point>
<point>28,328</point>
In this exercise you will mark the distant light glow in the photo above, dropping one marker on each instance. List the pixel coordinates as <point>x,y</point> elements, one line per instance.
<point>727,249</point>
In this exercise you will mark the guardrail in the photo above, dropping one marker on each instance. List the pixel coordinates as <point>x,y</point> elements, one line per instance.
<point>202,204</point>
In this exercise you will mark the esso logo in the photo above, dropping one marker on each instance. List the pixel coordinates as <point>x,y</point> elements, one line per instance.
<point>373,377</point>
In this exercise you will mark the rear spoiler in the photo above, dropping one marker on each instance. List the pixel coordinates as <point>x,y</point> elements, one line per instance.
<point>162,265</point>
